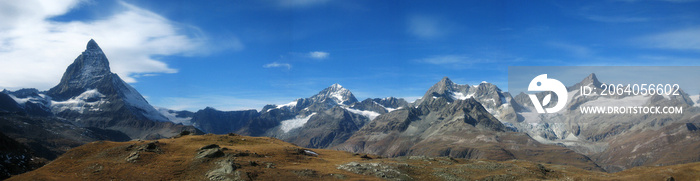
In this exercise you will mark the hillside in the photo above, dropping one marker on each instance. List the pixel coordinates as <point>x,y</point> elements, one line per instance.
<point>234,157</point>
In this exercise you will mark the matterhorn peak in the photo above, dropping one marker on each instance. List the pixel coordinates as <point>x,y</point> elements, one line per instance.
<point>89,70</point>
<point>92,61</point>
<point>92,45</point>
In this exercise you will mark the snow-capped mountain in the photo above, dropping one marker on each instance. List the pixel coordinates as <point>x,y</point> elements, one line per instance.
<point>492,98</point>
<point>335,93</point>
<point>89,78</point>
<point>31,101</point>
<point>320,121</point>
<point>449,121</point>
<point>90,95</point>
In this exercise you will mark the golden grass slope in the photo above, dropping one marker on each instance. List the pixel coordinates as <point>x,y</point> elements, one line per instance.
<point>262,158</point>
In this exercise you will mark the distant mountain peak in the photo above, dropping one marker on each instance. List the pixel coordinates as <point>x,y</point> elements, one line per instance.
<point>590,80</point>
<point>337,93</point>
<point>445,81</point>
<point>444,86</point>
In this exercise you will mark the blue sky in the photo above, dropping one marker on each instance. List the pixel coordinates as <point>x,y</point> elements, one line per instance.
<point>244,54</point>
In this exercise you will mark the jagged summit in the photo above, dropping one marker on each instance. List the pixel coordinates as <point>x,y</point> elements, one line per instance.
<point>445,88</point>
<point>590,80</point>
<point>92,45</point>
<point>336,86</point>
<point>337,93</point>
<point>445,83</point>
<point>88,71</point>
<point>446,92</point>
<point>445,79</point>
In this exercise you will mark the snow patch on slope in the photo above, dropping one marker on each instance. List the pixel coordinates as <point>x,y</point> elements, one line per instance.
<point>172,116</point>
<point>288,125</point>
<point>369,114</point>
<point>20,101</point>
<point>388,109</point>
<point>133,98</point>
<point>291,104</point>
<point>89,99</point>
<point>695,100</point>
<point>461,96</point>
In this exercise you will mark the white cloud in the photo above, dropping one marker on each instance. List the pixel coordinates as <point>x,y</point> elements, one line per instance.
<point>480,60</point>
<point>318,55</point>
<point>426,27</point>
<point>277,64</point>
<point>453,61</point>
<point>35,50</point>
<point>685,39</point>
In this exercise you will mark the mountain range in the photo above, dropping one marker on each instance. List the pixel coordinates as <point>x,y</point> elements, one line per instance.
<point>91,103</point>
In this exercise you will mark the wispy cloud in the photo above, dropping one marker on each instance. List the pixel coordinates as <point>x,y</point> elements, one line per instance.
<point>35,49</point>
<point>318,55</point>
<point>300,3</point>
<point>427,27</point>
<point>453,61</point>
<point>447,59</point>
<point>685,39</point>
<point>277,64</point>
<point>473,60</point>
<point>615,19</point>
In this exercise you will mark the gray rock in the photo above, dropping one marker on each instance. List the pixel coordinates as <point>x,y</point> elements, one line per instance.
<point>379,170</point>
<point>226,171</point>
<point>133,157</point>
<point>209,153</point>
